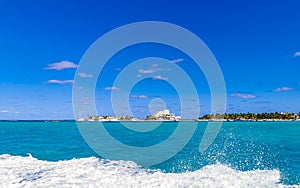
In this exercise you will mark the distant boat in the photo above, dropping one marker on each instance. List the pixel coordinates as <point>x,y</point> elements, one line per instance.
<point>80,119</point>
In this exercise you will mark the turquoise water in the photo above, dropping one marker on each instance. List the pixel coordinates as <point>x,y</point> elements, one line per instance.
<point>242,146</point>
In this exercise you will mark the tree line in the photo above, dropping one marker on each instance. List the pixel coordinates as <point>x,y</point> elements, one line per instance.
<point>252,116</point>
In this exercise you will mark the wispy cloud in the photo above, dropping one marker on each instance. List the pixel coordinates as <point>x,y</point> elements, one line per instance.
<point>176,60</point>
<point>61,65</point>
<point>147,71</point>
<point>158,77</point>
<point>283,89</point>
<point>153,69</point>
<point>297,54</point>
<point>139,96</point>
<point>262,102</point>
<point>9,111</point>
<point>60,81</point>
<point>243,95</point>
<point>111,88</point>
<point>84,75</point>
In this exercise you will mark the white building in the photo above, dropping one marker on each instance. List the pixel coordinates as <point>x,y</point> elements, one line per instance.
<point>161,113</point>
<point>165,115</point>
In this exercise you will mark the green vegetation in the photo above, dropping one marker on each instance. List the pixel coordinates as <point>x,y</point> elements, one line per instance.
<point>253,116</point>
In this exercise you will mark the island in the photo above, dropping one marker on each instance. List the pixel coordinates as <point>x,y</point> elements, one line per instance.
<point>161,115</point>
<point>276,116</point>
<point>165,115</point>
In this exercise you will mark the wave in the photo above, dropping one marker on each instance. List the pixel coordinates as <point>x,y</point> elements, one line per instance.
<point>17,171</point>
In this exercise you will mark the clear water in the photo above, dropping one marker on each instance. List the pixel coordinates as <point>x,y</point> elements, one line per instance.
<point>249,153</point>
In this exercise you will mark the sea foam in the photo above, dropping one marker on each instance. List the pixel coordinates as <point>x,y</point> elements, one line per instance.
<point>17,171</point>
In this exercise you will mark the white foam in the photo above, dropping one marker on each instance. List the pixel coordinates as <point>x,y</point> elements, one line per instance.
<point>16,171</point>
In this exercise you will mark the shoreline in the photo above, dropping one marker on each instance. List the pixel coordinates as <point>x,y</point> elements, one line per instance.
<point>200,120</point>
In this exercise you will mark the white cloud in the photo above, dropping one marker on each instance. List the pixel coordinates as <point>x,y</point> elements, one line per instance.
<point>176,60</point>
<point>243,95</point>
<point>283,89</point>
<point>61,65</point>
<point>297,54</point>
<point>158,77</point>
<point>60,81</point>
<point>112,88</point>
<point>84,75</point>
<point>147,71</point>
<point>153,69</point>
<point>139,96</point>
<point>9,111</point>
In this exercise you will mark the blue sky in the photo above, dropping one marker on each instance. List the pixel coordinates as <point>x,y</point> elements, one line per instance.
<point>256,43</point>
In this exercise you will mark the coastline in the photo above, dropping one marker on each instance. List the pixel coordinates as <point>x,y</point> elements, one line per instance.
<point>200,120</point>
<point>165,115</point>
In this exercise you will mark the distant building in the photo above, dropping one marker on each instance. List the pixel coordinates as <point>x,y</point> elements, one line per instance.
<point>164,115</point>
<point>161,113</point>
<point>80,119</point>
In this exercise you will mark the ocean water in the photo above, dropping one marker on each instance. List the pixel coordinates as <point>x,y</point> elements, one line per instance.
<point>244,154</point>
